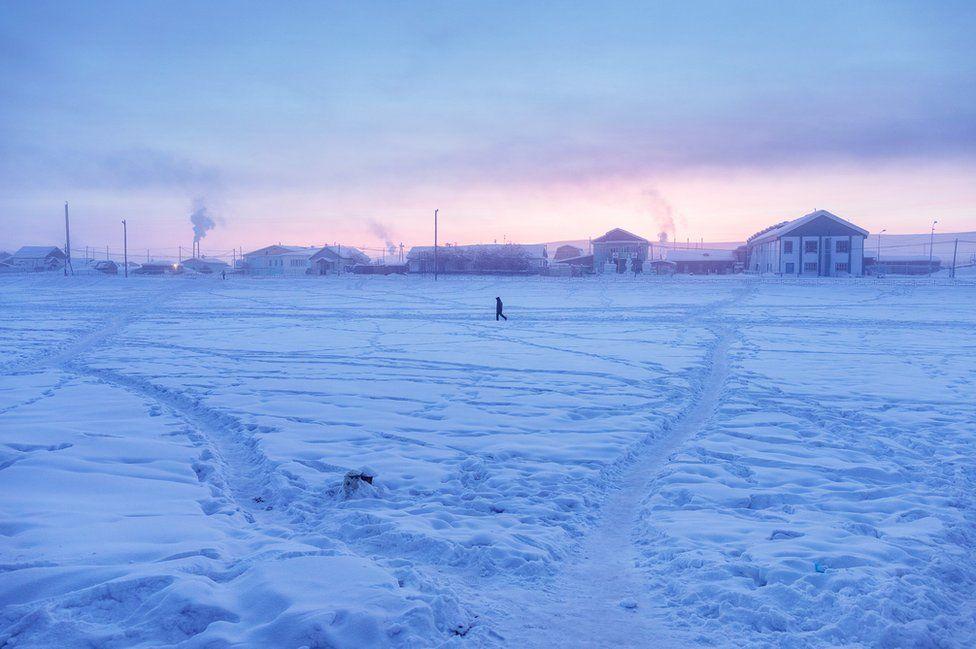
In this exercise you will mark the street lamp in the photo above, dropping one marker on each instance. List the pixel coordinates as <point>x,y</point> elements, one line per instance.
<point>877,260</point>
<point>931,241</point>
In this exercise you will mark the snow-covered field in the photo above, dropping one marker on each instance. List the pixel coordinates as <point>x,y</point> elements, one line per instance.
<point>662,462</point>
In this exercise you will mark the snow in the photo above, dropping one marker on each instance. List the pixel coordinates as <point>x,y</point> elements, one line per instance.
<point>723,461</point>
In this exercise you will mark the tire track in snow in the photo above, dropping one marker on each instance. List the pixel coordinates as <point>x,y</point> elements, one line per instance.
<point>244,473</point>
<point>601,599</point>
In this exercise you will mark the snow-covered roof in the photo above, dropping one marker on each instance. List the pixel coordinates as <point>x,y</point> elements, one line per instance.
<point>343,252</point>
<point>620,235</point>
<point>37,252</point>
<point>782,229</point>
<point>700,254</point>
<point>205,261</point>
<point>581,260</point>
<point>282,250</point>
<point>567,251</point>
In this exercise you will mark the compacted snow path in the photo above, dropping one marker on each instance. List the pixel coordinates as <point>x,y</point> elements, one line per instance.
<point>601,598</point>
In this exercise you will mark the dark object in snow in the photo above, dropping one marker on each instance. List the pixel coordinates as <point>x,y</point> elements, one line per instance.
<point>355,481</point>
<point>498,309</point>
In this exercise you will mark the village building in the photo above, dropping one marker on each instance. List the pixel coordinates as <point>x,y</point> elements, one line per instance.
<point>699,261</point>
<point>567,252</point>
<point>484,259</point>
<point>37,259</point>
<point>577,266</point>
<point>206,265</point>
<point>617,249</point>
<point>96,266</point>
<point>279,260</point>
<point>331,259</point>
<point>158,267</point>
<point>901,264</point>
<point>819,244</point>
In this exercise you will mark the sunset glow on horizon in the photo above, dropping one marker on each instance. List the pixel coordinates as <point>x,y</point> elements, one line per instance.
<point>547,122</point>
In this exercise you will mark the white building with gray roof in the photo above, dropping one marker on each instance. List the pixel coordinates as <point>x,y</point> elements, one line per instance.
<point>819,244</point>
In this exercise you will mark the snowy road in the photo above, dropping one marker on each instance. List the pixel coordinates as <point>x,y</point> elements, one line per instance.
<point>624,463</point>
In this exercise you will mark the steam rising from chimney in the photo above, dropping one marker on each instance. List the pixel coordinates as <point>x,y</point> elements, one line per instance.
<point>201,220</point>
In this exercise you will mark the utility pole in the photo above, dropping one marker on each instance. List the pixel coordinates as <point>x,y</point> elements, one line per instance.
<point>181,254</point>
<point>955,249</point>
<point>435,245</point>
<point>106,253</point>
<point>877,260</point>
<point>67,243</point>
<point>125,249</point>
<point>931,242</point>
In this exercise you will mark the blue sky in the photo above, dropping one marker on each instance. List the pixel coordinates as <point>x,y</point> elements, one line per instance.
<point>317,122</point>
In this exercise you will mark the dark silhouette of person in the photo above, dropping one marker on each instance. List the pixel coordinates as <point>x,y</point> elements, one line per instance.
<point>223,274</point>
<point>498,309</point>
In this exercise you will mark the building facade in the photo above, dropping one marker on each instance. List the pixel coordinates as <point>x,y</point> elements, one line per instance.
<point>332,259</point>
<point>819,244</point>
<point>278,261</point>
<point>487,258</point>
<point>697,261</point>
<point>37,258</point>
<point>617,249</point>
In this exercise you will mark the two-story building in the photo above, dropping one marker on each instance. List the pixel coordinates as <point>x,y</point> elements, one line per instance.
<point>819,244</point>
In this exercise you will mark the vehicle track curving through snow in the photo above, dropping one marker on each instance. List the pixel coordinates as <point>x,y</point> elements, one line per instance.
<point>600,599</point>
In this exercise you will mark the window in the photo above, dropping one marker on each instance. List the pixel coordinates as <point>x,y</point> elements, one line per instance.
<point>790,268</point>
<point>810,267</point>
<point>788,247</point>
<point>843,246</point>
<point>809,246</point>
<point>842,268</point>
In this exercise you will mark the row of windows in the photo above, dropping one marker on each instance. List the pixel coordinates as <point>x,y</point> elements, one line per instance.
<point>811,267</point>
<point>294,263</point>
<point>841,245</point>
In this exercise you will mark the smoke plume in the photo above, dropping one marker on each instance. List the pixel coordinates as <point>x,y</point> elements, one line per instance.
<point>662,212</point>
<point>201,220</point>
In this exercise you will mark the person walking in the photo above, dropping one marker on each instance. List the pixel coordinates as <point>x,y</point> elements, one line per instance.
<point>498,309</point>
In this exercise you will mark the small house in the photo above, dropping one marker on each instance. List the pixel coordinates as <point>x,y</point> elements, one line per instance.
<point>579,265</point>
<point>206,265</point>
<point>158,267</point>
<point>330,259</point>
<point>819,244</point>
<point>279,260</point>
<point>698,261</point>
<point>37,259</point>
<point>567,252</point>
